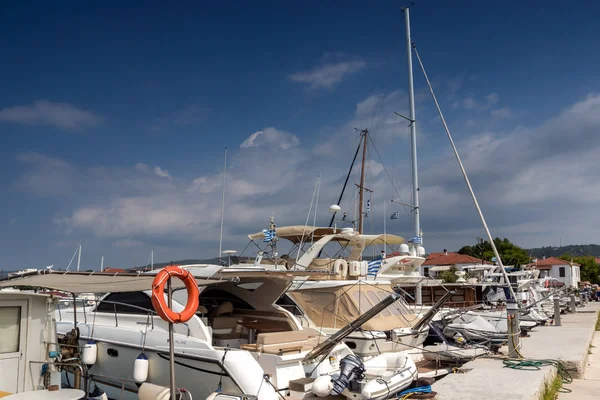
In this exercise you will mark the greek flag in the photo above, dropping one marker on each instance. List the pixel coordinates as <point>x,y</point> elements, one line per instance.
<point>269,235</point>
<point>368,208</point>
<point>416,240</point>
<point>395,215</point>
<point>373,267</point>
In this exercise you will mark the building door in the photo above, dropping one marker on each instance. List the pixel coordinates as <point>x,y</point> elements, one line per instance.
<point>13,331</point>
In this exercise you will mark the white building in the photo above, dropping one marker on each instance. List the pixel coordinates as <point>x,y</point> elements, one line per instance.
<point>439,262</point>
<point>564,271</point>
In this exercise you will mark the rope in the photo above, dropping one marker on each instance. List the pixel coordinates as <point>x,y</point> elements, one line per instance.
<point>409,392</point>
<point>535,365</point>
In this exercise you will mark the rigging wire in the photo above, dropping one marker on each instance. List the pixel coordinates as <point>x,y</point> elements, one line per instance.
<point>317,184</point>
<point>346,181</point>
<point>385,169</point>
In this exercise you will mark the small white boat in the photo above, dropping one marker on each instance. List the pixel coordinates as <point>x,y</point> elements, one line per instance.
<point>448,353</point>
<point>388,374</point>
<point>471,327</point>
<point>376,379</point>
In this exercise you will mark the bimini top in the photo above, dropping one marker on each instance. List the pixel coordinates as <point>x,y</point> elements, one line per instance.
<point>91,282</point>
<point>334,307</point>
<point>298,233</point>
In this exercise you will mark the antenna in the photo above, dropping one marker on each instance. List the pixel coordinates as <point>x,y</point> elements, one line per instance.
<point>79,257</point>
<point>223,205</point>
<point>102,264</point>
<point>152,260</point>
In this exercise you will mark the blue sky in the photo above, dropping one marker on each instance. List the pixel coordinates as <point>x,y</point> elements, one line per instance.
<point>113,121</point>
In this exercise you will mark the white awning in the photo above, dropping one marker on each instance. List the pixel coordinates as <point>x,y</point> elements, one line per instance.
<point>91,282</point>
<point>439,268</point>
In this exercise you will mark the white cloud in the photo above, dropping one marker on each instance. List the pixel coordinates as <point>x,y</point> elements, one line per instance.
<point>492,98</point>
<point>271,137</point>
<point>329,74</point>
<point>163,173</point>
<point>531,183</point>
<point>471,102</point>
<point>502,113</point>
<point>61,115</point>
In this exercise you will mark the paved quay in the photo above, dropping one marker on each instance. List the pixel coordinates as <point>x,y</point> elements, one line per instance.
<point>569,343</point>
<point>589,386</point>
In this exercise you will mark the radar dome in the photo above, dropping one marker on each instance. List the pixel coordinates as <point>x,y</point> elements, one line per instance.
<point>404,249</point>
<point>421,251</point>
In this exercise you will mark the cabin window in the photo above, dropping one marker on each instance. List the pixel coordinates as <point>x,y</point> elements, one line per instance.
<point>250,286</point>
<point>126,303</point>
<point>425,271</point>
<point>10,324</point>
<point>364,305</point>
<point>212,298</point>
<point>561,272</point>
<point>392,308</point>
<point>290,305</point>
<point>374,299</point>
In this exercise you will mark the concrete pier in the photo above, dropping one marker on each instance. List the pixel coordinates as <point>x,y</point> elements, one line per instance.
<point>489,380</point>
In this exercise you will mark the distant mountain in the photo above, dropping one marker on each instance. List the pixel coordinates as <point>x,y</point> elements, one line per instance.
<point>576,250</point>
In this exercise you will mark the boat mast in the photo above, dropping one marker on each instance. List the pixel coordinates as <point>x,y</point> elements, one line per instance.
<point>361,188</point>
<point>413,125</point>
<point>223,206</point>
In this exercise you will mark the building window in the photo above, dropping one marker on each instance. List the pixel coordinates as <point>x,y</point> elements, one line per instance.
<point>561,272</point>
<point>426,271</point>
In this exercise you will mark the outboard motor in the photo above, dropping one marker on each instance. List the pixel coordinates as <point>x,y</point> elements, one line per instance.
<point>351,368</point>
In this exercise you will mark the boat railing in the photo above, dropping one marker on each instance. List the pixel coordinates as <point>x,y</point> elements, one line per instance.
<point>145,311</point>
<point>99,378</point>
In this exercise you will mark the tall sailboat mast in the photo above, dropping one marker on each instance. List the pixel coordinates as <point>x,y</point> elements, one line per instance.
<point>223,205</point>
<point>361,188</point>
<point>413,125</point>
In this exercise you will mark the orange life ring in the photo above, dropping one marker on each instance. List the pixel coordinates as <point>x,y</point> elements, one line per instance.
<point>158,297</point>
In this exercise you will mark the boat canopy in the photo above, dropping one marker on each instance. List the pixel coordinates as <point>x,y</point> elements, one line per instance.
<point>91,282</point>
<point>297,233</point>
<point>335,307</point>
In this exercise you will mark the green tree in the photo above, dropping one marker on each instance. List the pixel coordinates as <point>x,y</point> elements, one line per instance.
<point>449,276</point>
<point>590,271</point>
<point>510,253</point>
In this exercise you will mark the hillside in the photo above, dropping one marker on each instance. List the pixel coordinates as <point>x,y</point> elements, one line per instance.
<point>576,250</point>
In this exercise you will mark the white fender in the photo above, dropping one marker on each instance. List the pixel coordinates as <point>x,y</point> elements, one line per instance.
<point>354,268</point>
<point>340,267</point>
<point>140,368</point>
<point>89,353</point>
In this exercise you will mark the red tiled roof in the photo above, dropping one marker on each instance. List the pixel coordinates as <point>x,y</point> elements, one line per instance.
<point>450,259</point>
<point>108,269</point>
<point>550,261</point>
<point>597,259</point>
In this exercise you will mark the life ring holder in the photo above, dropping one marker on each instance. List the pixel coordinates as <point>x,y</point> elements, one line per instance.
<point>158,297</point>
